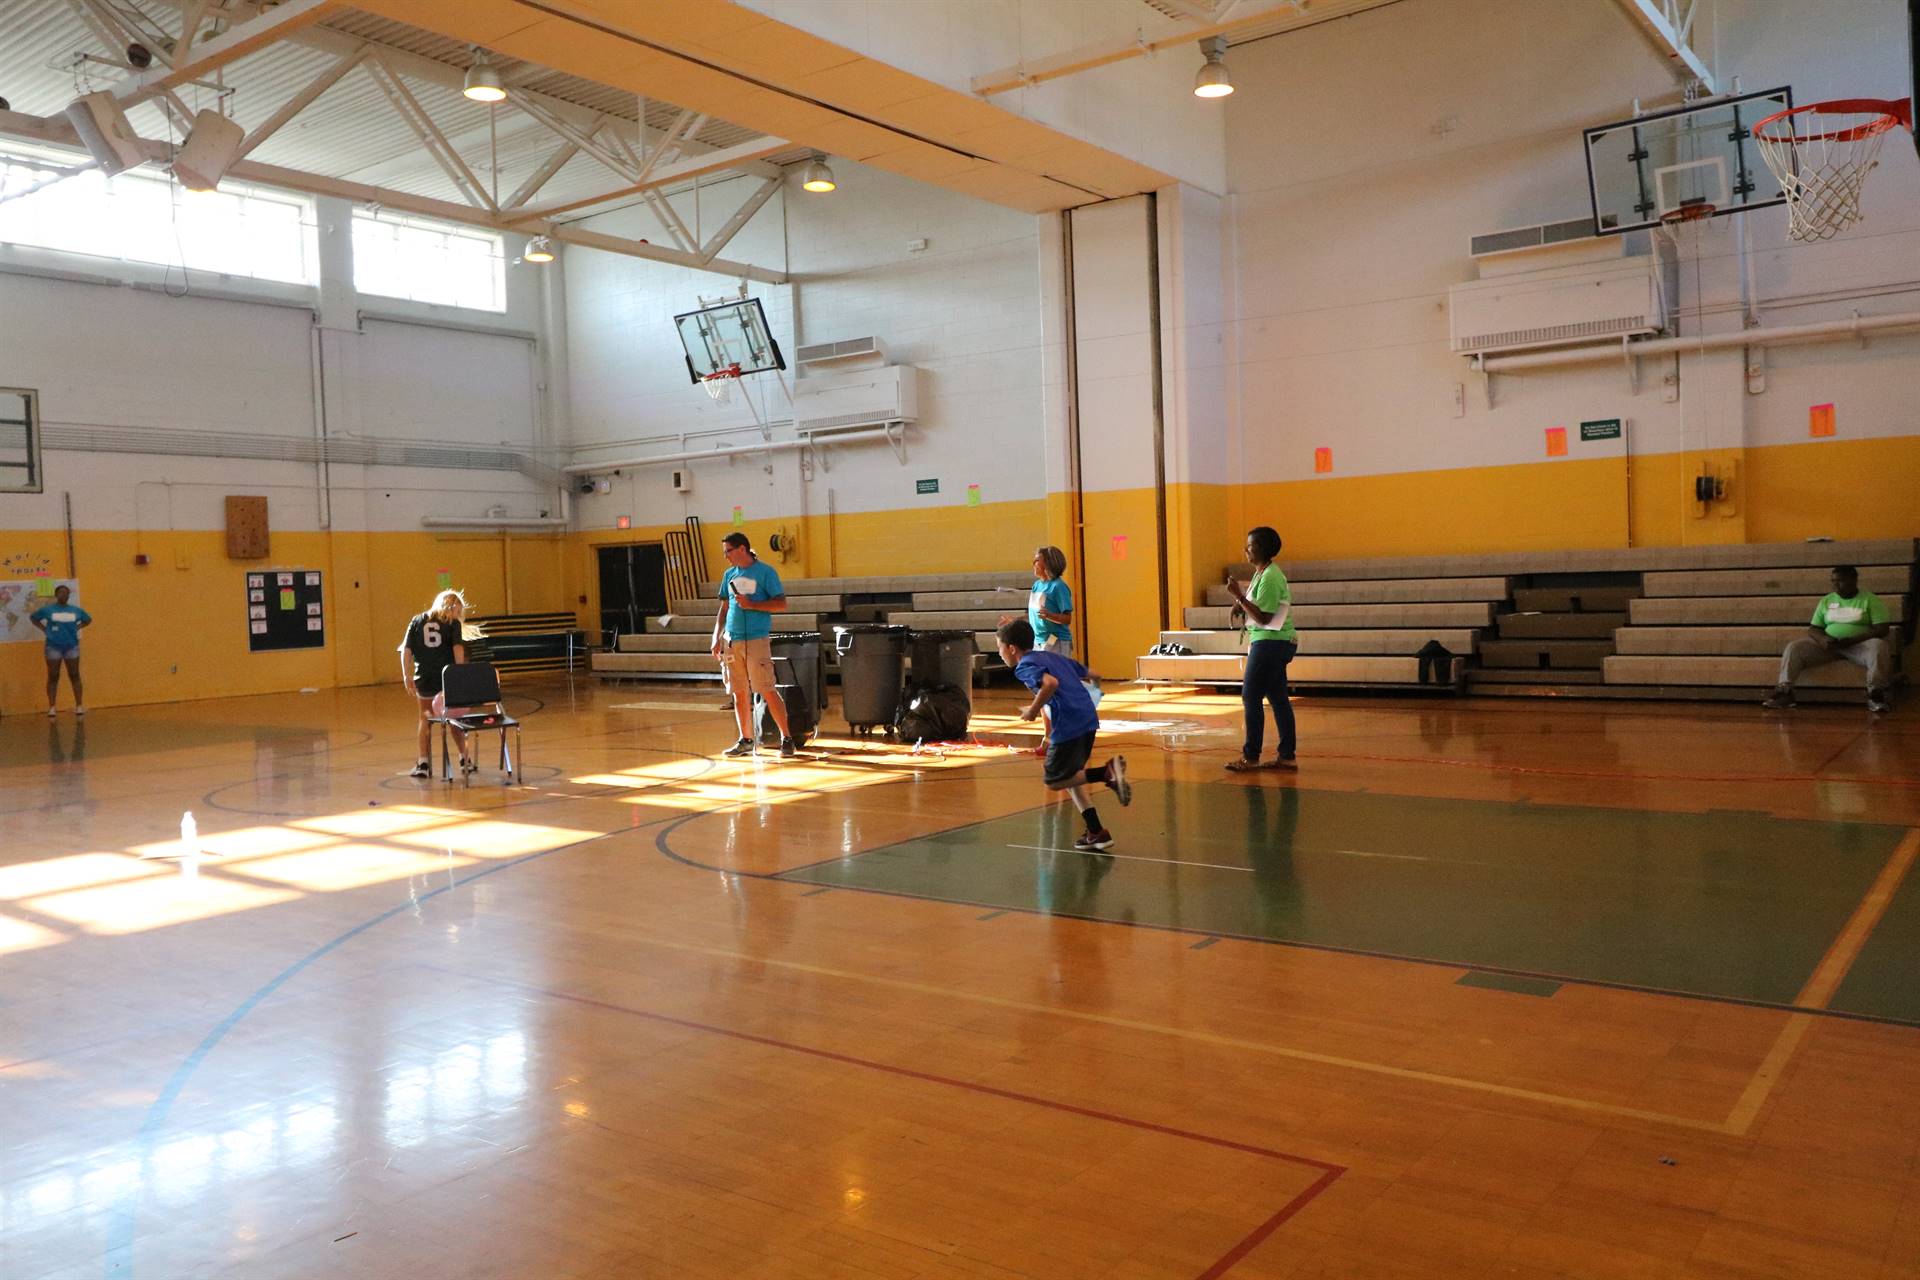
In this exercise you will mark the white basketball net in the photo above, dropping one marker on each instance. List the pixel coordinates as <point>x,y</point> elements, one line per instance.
<point>1821,156</point>
<point>719,384</point>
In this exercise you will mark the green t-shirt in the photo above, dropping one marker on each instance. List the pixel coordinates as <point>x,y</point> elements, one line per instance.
<point>1270,591</point>
<point>1851,617</point>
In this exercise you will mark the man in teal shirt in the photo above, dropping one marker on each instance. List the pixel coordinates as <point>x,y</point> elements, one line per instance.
<point>1849,624</point>
<point>750,593</point>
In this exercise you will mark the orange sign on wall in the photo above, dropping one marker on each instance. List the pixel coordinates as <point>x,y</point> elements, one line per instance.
<point>1120,546</point>
<point>1820,420</point>
<point>1322,461</point>
<point>1556,442</point>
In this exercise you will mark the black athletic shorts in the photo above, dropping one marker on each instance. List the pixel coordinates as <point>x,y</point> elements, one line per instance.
<point>1064,759</point>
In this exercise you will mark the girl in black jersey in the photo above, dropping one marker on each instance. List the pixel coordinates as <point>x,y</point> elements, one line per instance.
<point>435,640</point>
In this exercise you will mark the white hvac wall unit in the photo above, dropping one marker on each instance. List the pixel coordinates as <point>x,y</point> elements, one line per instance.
<point>845,354</point>
<point>1557,306</point>
<point>857,398</point>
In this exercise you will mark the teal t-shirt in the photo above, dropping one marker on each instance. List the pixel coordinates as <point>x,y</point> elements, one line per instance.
<point>1270,591</point>
<point>63,623</point>
<point>1053,595</point>
<point>750,624</point>
<point>1850,617</point>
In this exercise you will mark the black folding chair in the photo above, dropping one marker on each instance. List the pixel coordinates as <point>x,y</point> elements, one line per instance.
<point>476,685</point>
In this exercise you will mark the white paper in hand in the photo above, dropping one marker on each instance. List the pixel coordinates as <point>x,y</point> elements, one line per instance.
<point>744,587</point>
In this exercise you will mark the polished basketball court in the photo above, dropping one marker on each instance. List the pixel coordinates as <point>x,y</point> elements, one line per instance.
<point>1495,989</point>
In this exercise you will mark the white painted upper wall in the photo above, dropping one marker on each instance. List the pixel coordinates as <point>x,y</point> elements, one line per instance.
<point>1143,109</point>
<point>1348,226</point>
<point>964,310</point>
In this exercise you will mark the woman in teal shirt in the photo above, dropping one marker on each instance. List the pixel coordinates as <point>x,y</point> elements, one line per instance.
<point>1266,604</point>
<point>1050,602</point>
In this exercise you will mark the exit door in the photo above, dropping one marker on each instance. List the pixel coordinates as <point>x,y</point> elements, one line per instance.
<point>633,587</point>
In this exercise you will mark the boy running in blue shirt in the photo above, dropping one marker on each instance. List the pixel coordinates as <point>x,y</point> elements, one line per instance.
<point>1057,682</point>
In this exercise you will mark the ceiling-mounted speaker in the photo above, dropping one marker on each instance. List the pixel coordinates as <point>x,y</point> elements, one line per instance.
<point>212,144</point>
<point>105,132</point>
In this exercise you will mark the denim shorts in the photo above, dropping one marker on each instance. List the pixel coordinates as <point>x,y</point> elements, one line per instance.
<point>63,655</point>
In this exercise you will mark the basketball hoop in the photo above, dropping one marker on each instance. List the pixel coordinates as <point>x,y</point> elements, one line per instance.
<point>719,384</point>
<point>1821,173</point>
<point>1684,222</point>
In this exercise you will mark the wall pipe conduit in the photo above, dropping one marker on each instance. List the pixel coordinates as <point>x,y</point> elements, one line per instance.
<point>1858,326</point>
<point>732,451</point>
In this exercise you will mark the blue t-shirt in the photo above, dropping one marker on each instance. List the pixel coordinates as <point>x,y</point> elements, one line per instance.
<point>1072,705</point>
<point>1053,595</point>
<point>751,624</point>
<point>63,623</point>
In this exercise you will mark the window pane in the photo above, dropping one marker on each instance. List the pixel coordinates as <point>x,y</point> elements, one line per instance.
<point>428,262</point>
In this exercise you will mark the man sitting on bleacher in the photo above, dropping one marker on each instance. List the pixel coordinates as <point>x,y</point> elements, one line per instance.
<point>1851,624</point>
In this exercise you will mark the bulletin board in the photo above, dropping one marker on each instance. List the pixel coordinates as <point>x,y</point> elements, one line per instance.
<point>284,610</point>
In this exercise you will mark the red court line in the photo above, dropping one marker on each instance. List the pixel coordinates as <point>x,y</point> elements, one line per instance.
<point>1329,1172</point>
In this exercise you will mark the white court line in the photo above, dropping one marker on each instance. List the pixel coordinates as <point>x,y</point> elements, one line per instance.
<point>1221,866</point>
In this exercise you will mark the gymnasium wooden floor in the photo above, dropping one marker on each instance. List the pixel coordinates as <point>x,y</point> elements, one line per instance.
<point>1492,989</point>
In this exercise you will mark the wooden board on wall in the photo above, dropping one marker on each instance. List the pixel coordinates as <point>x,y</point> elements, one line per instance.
<point>246,528</point>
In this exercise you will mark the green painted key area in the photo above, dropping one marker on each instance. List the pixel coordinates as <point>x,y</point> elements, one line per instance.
<point>1733,905</point>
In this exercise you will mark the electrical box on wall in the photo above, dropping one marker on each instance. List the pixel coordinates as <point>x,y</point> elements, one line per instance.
<point>683,482</point>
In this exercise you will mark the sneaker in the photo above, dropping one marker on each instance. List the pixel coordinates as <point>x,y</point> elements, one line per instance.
<point>1284,762</point>
<point>787,749</point>
<point>744,747</point>
<point>1094,841</point>
<point>79,711</point>
<point>1779,700</point>
<point>468,766</point>
<point>1878,702</point>
<point>52,712</point>
<point>1117,779</point>
<point>421,770</point>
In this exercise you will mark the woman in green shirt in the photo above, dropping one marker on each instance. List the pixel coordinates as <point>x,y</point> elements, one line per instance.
<point>1266,604</point>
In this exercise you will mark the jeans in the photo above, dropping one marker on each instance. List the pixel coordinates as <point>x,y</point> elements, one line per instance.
<point>1875,655</point>
<point>1265,680</point>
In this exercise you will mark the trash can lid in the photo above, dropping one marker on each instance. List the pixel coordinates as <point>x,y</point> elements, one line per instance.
<point>795,637</point>
<point>869,628</point>
<point>943,635</point>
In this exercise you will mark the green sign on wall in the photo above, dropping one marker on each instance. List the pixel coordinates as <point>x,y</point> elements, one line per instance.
<point>926,486</point>
<point>1600,429</point>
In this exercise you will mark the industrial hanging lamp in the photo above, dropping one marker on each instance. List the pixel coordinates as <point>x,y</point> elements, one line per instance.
<point>816,176</point>
<point>483,82</point>
<point>1213,80</point>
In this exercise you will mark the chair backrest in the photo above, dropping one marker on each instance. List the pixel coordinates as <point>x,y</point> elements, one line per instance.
<point>469,684</point>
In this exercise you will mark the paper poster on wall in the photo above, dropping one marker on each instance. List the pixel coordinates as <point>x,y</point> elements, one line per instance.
<point>1820,420</point>
<point>256,611</point>
<point>19,599</point>
<point>444,579</point>
<point>313,608</point>
<point>313,624</point>
<point>739,518</point>
<point>1556,442</point>
<point>1322,461</point>
<point>973,495</point>
<point>283,579</point>
<point>313,579</point>
<point>256,580</point>
<point>286,599</point>
<point>1120,546</point>
<point>258,628</point>
<point>256,597</point>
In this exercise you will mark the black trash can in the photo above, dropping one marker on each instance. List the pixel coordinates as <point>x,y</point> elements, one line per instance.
<point>802,648</point>
<point>799,676</point>
<point>943,658</point>
<point>873,662</point>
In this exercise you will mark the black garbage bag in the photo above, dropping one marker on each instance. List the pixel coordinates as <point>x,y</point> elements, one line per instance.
<point>934,713</point>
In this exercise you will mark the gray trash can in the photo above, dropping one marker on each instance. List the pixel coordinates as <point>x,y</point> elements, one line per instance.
<point>943,657</point>
<point>873,661</point>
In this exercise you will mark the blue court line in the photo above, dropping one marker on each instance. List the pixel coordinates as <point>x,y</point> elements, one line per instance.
<point>120,1231</point>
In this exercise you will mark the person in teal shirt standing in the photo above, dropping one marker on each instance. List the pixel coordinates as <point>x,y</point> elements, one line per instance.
<point>1050,602</point>
<point>62,621</point>
<point>750,593</point>
<point>1267,605</point>
<point>1848,624</point>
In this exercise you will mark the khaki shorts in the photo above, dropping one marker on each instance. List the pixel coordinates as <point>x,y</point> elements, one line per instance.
<point>749,665</point>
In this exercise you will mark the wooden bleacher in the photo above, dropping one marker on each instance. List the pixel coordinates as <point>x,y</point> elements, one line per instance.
<point>1656,622</point>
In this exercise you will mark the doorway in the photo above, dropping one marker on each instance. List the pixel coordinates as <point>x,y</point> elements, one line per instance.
<point>633,587</point>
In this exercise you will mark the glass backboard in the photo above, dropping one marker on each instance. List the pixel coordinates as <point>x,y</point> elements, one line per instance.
<point>1654,164</point>
<point>717,338</point>
<point>19,441</point>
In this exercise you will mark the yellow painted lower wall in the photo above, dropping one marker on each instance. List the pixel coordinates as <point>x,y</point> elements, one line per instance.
<point>175,628</point>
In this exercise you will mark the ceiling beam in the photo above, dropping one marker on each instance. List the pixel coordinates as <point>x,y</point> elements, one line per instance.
<point>231,45</point>
<point>678,171</point>
<point>56,131</point>
<point>1669,24</point>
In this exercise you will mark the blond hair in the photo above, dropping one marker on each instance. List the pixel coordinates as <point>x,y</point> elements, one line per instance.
<point>450,606</point>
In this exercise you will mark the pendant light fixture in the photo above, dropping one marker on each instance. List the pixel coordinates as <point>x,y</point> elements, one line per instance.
<point>1213,81</point>
<point>483,82</point>
<point>817,177</point>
